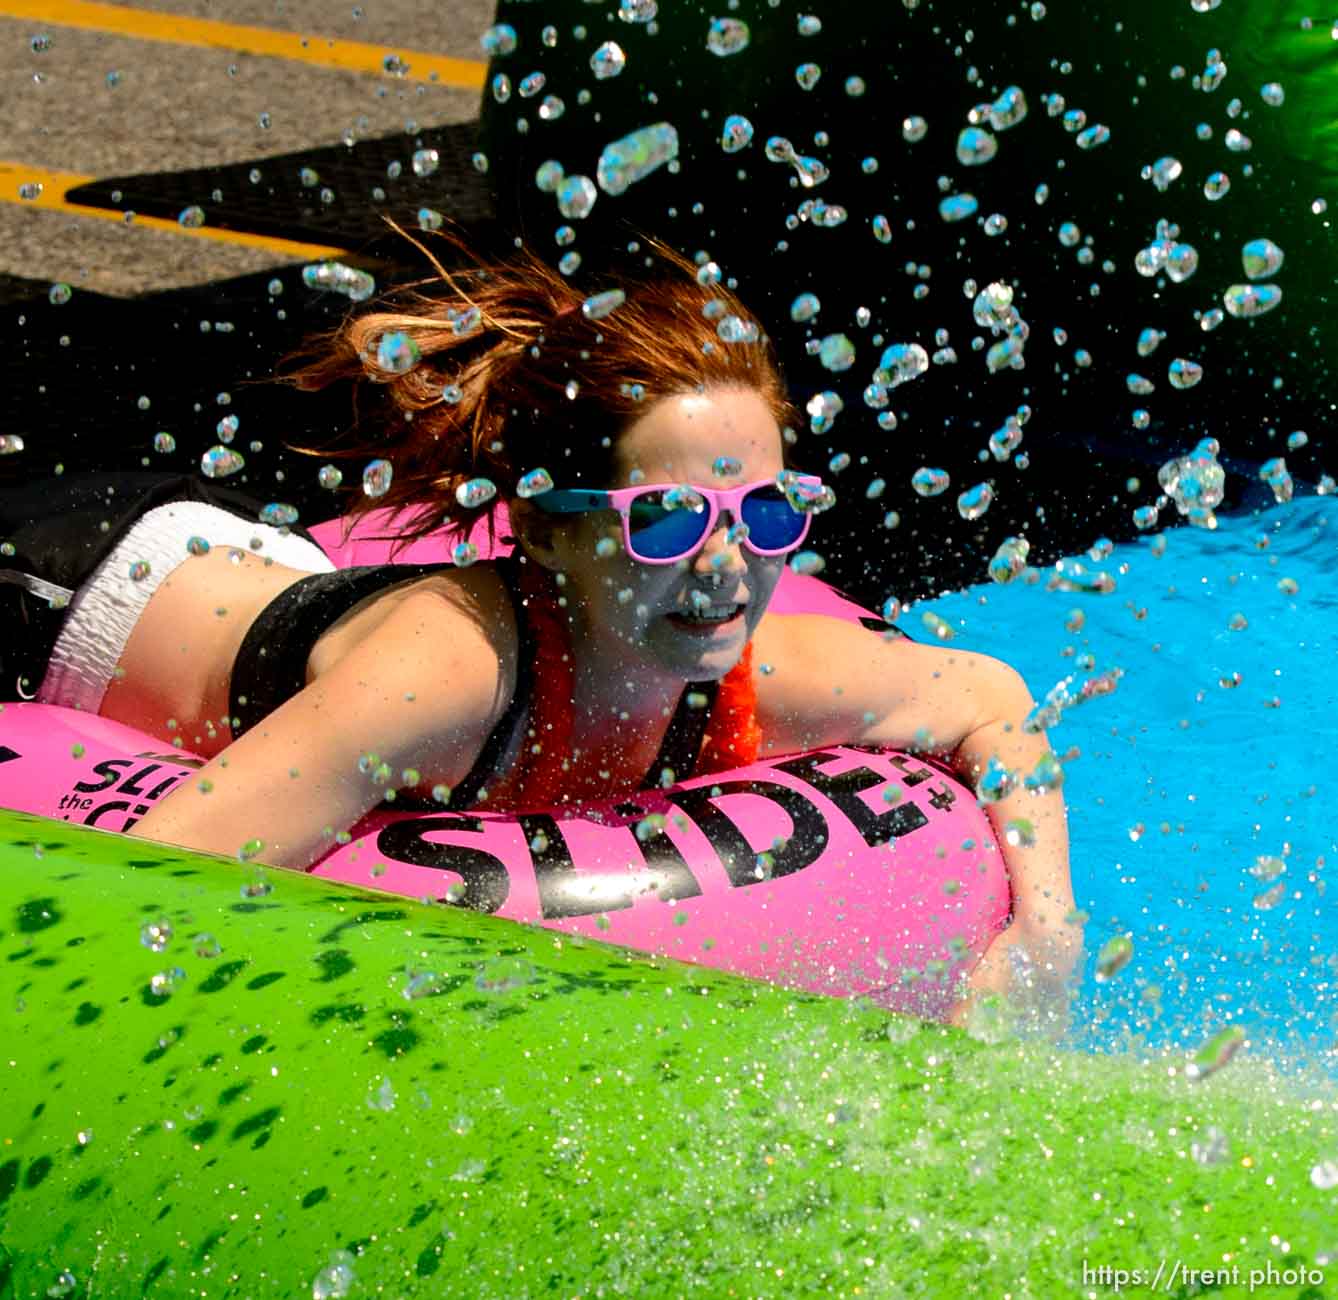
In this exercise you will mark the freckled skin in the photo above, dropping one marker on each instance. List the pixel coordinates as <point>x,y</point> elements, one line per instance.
<point>628,644</point>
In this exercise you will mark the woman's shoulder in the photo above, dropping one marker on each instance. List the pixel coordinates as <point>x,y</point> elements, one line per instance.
<point>464,616</point>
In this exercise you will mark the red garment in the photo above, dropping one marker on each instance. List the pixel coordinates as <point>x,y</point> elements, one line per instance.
<point>733,737</point>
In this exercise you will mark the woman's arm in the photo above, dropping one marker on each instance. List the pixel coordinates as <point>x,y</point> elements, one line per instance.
<point>422,691</point>
<point>833,681</point>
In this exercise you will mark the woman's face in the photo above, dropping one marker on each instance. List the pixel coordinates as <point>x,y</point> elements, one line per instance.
<point>631,610</point>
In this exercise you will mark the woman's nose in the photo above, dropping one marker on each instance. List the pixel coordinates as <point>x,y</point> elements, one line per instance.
<point>722,552</point>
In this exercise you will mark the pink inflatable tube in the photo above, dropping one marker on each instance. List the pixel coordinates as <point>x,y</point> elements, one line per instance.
<point>844,871</point>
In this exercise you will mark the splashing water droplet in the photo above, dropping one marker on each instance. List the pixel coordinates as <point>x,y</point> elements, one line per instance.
<point>807,75</point>
<point>608,61</point>
<point>1216,1053</point>
<point>1213,1150</point>
<point>836,352</point>
<point>957,207</point>
<point>634,157</point>
<point>1009,560</point>
<point>804,308</point>
<point>914,129</point>
<point>733,329</point>
<point>463,554</point>
<point>637,11</point>
<point>1324,1175</point>
<point>1217,186</point>
<point>376,478</point>
<point>397,353</point>
<point>425,162</point>
<point>499,40</point>
<point>1182,262</point>
<point>220,461</point>
<point>503,975</point>
<point>192,218</point>
<point>1094,135</point>
<point>1114,956</point>
<point>1164,172</point>
<point>278,514</point>
<point>1261,258</point>
<point>900,363</point>
<point>737,133</point>
<point>355,285</point>
<point>1009,109</point>
<point>549,176</point>
<point>65,1284</point>
<point>1184,373</point>
<point>156,935</point>
<point>930,482</point>
<point>976,146</point>
<point>600,305</point>
<point>975,501</point>
<point>823,408</point>
<point>475,492</point>
<point>165,983</point>
<point>727,36</point>
<point>533,483</point>
<point>576,195</point>
<point>1247,300</point>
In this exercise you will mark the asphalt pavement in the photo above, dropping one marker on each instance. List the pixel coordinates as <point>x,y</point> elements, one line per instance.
<point>86,101</point>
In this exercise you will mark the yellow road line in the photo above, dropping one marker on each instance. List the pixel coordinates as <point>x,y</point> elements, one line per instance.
<point>51,198</point>
<point>178,29</point>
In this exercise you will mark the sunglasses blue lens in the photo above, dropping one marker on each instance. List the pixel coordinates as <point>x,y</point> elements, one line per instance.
<point>773,523</point>
<point>663,531</point>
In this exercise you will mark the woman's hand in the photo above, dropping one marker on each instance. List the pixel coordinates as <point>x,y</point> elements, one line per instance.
<point>835,682</point>
<point>1030,964</point>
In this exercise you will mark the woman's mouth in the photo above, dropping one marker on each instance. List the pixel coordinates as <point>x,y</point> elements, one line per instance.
<point>708,621</point>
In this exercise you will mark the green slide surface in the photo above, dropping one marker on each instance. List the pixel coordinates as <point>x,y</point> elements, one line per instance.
<point>220,1080</point>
